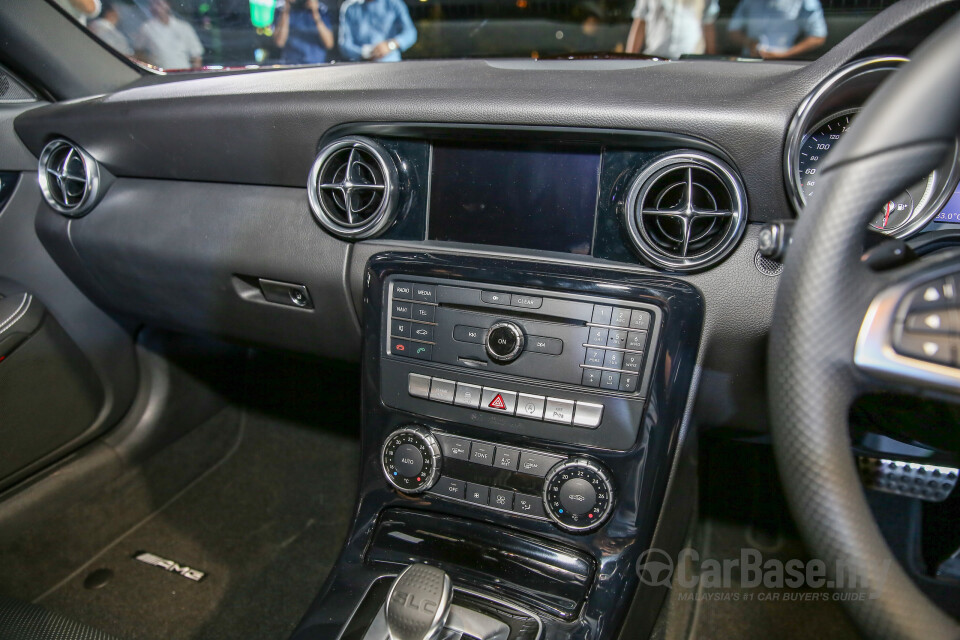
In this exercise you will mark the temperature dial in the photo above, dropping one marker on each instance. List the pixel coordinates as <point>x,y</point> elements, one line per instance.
<point>578,494</point>
<point>411,459</point>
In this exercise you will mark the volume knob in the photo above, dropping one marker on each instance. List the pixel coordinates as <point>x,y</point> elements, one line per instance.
<point>578,494</point>
<point>504,341</point>
<point>411,459</point>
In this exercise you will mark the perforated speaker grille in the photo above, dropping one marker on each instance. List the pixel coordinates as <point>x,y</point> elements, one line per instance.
<point>12,91</point>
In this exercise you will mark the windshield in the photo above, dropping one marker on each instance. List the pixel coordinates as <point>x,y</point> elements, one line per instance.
<point>173,35</point>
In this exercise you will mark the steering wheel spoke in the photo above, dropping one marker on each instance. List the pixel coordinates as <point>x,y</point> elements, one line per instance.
<point>910,334</point>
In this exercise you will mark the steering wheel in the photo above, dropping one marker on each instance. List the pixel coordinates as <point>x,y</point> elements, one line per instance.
<point>838,334</point>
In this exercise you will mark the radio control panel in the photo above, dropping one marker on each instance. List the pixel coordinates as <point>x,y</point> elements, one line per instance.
<point>564,366</point>
<point>600,345</point>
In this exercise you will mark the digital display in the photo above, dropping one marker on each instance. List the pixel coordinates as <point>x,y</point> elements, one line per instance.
<point>951,210</point>
<point>530,198</point>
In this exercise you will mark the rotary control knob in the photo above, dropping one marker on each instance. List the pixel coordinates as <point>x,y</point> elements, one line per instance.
<point>411,459</point>
<point>578,494</point>
<point>504,341</point>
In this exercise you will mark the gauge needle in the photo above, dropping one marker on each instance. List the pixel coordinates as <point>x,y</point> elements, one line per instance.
<point>886,216</point>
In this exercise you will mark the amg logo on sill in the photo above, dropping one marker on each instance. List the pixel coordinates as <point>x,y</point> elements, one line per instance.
<point>169,565</point>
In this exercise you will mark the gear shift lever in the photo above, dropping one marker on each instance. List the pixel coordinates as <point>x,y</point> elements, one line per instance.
<point>419,607</point>
<point>418,603</point>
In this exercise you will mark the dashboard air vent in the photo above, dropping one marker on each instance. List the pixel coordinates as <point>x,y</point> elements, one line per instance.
<point>685,211</point>
<point>353,188</point>
<point>69,178</point>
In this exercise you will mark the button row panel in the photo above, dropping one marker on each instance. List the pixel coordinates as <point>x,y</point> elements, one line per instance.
<point>415,291</point>
<point>615,347</point>
<point>491,497</point>
<point>521,301</point>
<point>413,317</point>
<point>621,318</point>
<point>616,339</point>
<point>522,405</point>
<point>533,344</point>
<point>608,355</point>
<point>489,454</point>
<point>930,325</point>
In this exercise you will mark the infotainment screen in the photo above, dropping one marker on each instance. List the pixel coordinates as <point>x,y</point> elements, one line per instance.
<point>531,198</point>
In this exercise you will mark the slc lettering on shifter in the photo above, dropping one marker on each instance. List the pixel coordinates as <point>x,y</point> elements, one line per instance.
<point>410,601</point>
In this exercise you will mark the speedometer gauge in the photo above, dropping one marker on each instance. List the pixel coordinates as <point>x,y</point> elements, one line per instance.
<point>894,216</point>
<point>822,120</point>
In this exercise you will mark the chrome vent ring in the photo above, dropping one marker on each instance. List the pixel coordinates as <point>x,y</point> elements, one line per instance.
<point>685,211</point>
<point>69,178</point>
<point>353,188</point>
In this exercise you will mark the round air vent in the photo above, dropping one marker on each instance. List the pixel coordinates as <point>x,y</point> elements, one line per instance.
<point>685,211</point>
<point>353,188</point>
<point>69,178</point>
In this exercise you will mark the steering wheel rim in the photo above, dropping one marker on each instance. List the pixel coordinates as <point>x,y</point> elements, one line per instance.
<point>903,132</point>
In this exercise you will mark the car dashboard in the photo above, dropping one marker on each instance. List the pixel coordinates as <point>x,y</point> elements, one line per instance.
<point>548,270</point>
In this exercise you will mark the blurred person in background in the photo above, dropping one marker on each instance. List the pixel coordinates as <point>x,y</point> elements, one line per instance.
<point>777,29</point>
<point>81,10</point>
<point>672,28</point>
<point>166,41</point>
<point>376,30</point>
<point>589,16</point>
<point>304,32</point>
<point>105,27</point>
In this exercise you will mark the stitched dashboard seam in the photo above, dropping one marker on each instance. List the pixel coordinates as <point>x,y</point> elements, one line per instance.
<point>17,314</point>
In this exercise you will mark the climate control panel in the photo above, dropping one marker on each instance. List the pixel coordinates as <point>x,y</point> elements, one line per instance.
<point>576,494</point>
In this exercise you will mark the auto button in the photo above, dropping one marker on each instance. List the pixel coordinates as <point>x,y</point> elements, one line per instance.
<point>408,460</point>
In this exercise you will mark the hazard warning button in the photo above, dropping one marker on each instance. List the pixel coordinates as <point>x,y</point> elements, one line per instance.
<point>498,400</point>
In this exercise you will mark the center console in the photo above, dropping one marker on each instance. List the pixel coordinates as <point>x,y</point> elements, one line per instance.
<point>561,366</point>
<point>520,420</point>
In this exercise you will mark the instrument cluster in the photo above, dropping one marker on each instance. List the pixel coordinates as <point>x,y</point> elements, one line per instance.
<point>820,124</point>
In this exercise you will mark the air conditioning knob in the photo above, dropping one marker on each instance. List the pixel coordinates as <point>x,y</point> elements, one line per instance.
<point>504,341</point>
<point>411,459</point>
<point>578,494</point>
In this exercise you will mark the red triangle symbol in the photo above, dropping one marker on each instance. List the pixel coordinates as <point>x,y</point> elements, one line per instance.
<point>498,403</point>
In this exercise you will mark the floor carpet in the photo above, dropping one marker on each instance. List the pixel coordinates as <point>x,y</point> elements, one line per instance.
<point>265,526</point>
<point>742,508</point>
<point>264,521</point>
